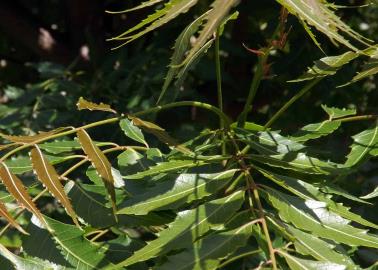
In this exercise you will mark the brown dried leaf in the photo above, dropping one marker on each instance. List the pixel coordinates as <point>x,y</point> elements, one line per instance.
<point>159,133</point>
<point>50,178</point>
<point>33,138</point>
<point>18,191</point>
<point>83,104</point>
<point>4,213</point>
<point>99,161</point>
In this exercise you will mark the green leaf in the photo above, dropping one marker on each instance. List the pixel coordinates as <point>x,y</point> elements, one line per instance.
<point>335,113</point>
<point>164,167</point>
<point>171,194</point>
<point>371,195</point>
<point>181,46</point>
<point>322,17</point>
<point>327,66</point>
<point>313,216</point>
<point>76,249</point>
<point>188,225</point>
<point>307,244</point>
<point>214,18</point>
<point>310,192</point>
<point>209,251</point>
<point>171,10</point>
<point>27,263</point>
<point>268,142</point>
<point>296,263</point>
<point>83,104</point>
<point>141,6</point>
<point>58,147</point>
<point>298,162</point>
<point>128,157</point>
<point>132,131</point>
<point>314,131</point>
<point>90,206</point>
<point>365,145</point>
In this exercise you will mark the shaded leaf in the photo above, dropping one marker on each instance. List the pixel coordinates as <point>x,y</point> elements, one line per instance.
<point>18,191</point>
<point>21,263</point>
<point>171,194</point>
<point>99,161</point>
<point>188,225</point>
<point>50,178</point>
<point>70,238</point>
<point>132,131</point>
<point>58,147</point>
<point>209,251</point>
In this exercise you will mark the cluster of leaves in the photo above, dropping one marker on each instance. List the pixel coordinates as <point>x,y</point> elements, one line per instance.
<point>242,196</point>
<point>270,202</point>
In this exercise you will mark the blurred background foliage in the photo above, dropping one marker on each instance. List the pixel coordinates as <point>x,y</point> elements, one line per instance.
<point>52,52</point>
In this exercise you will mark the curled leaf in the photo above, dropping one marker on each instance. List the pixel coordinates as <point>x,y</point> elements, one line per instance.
<point>33,138</point>
<point>83,104</point>
<point>100,162</point>
<point>50,178</point>
<point>18,191</point>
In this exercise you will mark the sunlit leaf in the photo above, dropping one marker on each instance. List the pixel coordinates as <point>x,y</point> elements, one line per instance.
<point>18,191</point>
<point>99,161</point>
<point>132,131</point>
<point>189,224</point>
<point>5,214</point>
<point>171,194</point>
<point>83,104</point>
<point>33,138</point>
<point>50,178</point>
<point>335,113</point>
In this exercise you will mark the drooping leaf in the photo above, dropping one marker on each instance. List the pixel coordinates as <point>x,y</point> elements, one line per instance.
<point>365,145</point>
<point>171,10</point>
<point>371,195</point>
<point>335,113</point>
<point>132,131</point>
<point>164,167</point>
<point>309,244</point>
<point>99,161</point>
<point>171,194</point>
<point>159,133</point>
<point>77,250</point>
<point>314,131</point>
<point>313,216</point>
<point>4,213</point>
<point>83,104</point>
<point>17,190</point>
<point>327,66</point>
<point>209,251</point>
<point>296,263</point>
<point>319,15</point>
<point>188,225</point>
<point>50,178</point>
<point>33,138</point>
<point>28,263</point>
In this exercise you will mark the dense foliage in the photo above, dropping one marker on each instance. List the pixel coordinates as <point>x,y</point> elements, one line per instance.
<point>98,183</point>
